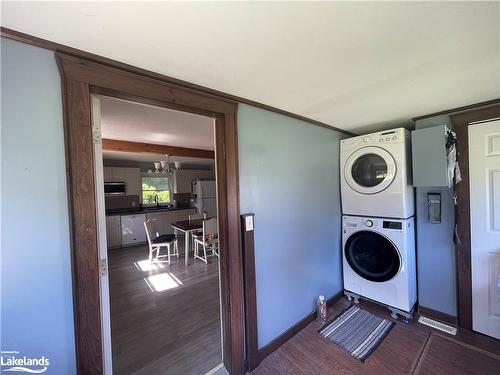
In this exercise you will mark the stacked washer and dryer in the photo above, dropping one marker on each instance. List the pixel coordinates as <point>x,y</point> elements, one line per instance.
<point>378,233</point>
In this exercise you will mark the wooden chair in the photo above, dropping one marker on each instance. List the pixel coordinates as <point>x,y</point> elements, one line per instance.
<point>202,215</point>
<point>157,241</point>
<point>198,233</point>
<point>208,241</point>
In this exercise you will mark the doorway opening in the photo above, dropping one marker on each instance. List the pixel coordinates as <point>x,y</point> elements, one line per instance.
<point>155,173</point>
<point>81,78</point>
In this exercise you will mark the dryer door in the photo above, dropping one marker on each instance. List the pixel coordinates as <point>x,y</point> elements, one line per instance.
<point>369,170</point>
<point>372,256</point>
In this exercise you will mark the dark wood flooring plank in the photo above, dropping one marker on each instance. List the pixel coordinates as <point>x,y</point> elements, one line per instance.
<point>308,353</point>
<point>174,331</point>
<point>447,356</point>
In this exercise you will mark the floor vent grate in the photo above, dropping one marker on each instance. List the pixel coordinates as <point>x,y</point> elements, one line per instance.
<point>437,325</point>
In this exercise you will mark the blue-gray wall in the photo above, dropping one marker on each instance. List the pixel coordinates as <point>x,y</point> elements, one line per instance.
<point>435,248</point>
<point>289,177</point>
<point>36,301</point>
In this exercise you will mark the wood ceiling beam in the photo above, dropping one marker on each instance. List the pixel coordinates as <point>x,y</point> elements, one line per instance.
<point>150,148</point>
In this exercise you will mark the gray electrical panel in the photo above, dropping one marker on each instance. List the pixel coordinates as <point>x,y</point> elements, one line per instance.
<point>429,158</point>
<point>434,208</point>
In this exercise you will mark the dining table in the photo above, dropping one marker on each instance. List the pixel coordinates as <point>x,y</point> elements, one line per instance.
<point>187,227</point>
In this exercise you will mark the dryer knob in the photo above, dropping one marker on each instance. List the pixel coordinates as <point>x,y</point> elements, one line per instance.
<point>369,223</point>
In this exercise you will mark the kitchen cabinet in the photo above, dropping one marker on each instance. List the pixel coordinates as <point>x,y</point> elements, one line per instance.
<point>108,174</point>
<point>132,179</point>
<point>118,174</point>
<point>160,222</point>
<point>113,231</point>
<point>179,215</point>
<point>133,231</point>
<point>164,219</point>
<point>130,176</point>
<point>114,174</point>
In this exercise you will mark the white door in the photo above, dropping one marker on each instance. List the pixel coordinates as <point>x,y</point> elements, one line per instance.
<point>102,242</point>
<point>484,172</point>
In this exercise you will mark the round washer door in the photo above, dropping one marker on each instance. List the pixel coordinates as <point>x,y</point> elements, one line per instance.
<point>369,170</point>
<point>372,256</point>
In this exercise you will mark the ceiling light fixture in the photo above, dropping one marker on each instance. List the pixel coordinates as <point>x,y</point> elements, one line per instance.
<point>163,165</point>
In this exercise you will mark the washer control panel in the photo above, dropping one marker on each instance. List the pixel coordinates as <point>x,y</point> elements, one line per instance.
<point>354,223</point>
<point>361,222</point>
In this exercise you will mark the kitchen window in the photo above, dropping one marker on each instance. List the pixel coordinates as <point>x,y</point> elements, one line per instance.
<point>155,190</point>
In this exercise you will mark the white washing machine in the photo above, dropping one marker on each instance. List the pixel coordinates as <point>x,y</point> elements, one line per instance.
<point>376,175</point>
<point>379,260</point>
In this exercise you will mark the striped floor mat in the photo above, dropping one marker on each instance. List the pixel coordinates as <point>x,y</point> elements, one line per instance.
<point>357,331</point>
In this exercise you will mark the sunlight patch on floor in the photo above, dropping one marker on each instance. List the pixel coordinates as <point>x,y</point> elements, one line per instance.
<point>146,265</point>
<point>176,278</point>
<point>161,282</point>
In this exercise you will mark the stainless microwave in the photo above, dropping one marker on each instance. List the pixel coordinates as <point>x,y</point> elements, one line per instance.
<point>114,188</point>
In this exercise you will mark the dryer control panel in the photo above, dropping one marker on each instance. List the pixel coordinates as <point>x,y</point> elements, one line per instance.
<point>386,137</point>
<point>389,136</point>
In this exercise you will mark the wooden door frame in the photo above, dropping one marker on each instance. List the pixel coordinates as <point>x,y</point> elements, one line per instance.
<point>460,123</point>
<point>80,79</point>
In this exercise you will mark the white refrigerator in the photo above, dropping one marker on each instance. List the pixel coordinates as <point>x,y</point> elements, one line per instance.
<point>206,196</point>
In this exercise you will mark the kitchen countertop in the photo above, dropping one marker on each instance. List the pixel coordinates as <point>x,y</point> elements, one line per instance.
<point>139,211</point>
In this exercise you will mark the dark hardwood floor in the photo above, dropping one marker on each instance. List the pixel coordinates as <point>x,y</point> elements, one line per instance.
<point>163,320</point>
<point>408,349</point>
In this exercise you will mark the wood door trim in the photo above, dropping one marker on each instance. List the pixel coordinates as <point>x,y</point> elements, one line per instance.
<point>128,83</point>
<point>57,47</point>
<point>83,225</point>
<point>458,109</point>
<point>80,78</point>
<point>461,122</point>
<point>252,355</point>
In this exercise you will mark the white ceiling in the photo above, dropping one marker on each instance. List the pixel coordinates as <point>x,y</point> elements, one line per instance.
<point>130,121</point>
<point>354,65</point>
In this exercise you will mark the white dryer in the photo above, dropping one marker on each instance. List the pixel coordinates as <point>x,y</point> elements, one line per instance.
<point>376,175</point>
<point>379,260</point>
